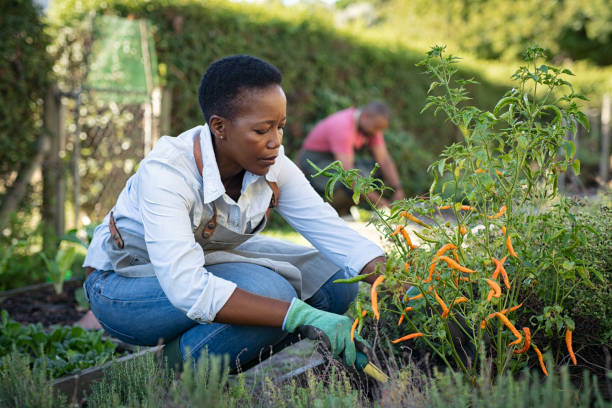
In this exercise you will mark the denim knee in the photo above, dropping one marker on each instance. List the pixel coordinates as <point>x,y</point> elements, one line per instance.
<point>255,279</point>
<point>335,297</point>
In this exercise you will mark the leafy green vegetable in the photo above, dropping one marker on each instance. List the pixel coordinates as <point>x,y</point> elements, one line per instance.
<point>64,350</point>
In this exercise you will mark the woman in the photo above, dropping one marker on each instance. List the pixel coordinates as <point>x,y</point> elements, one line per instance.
<point>178,259</point>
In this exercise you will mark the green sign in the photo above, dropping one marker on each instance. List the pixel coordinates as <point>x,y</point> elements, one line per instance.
<point>122,63</point>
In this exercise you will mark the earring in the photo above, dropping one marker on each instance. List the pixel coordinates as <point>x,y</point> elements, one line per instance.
<point>222,137</point>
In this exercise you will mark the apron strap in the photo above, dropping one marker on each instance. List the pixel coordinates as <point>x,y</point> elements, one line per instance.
<point>114,231</point>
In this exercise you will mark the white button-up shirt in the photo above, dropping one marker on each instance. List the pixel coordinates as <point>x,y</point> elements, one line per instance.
<point>164,202</point>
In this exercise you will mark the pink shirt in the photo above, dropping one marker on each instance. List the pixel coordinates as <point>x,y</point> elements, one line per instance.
<point>338,134</point>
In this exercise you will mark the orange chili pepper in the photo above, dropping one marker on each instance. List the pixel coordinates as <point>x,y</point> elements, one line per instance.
<point>468,208</point>
<point>504,275</point>
<point>374,296</point>
<point>455,255</point>
<point>363,313</point>
<point>463,229</point>
<point>413,219</point>
<point>445,207</point>
<point>431,271</point>
<point>408,337</point>
<point>401,319</point>
<point>518,340</point>
<point>397,230</point>
<point>510,248</point>
<point>461,299</point>
<point>512,309</point>
<point>509,325</point>
<point>503,229</point>
<point>455,265</point>
<point>527,343</point>
<point>479,170</point>
<point>542,366</point>
<point>568,343</point>
<point>495,289</point>
<point>445,248</point>
<point>420,295</point>
<point>445,309</point>
<point>407,238</point>
<point>499,173</point>
<point>499,268</point>
<point>404,233</point>
<point>499,265</point>
<point>501,212</point>
<point>353,328</point>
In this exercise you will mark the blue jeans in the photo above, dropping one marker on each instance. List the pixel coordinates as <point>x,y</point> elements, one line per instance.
<point>137,311</point>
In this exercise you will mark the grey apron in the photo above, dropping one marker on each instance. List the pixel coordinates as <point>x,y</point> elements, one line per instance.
<point>305,268</point>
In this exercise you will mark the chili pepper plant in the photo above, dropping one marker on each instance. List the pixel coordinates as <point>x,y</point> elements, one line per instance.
<point>472,271</point>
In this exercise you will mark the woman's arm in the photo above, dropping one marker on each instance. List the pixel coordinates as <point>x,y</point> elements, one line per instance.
<point>247,308</point>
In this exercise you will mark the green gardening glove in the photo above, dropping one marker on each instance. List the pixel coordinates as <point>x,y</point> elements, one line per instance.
<point>333,329</point>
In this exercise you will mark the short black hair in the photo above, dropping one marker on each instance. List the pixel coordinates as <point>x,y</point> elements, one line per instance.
<point>226,78</point>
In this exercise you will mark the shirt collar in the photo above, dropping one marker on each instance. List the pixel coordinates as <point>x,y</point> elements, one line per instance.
<point>211,179</point>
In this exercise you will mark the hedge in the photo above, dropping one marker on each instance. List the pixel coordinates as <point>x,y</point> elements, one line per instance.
<point>324,70</point>
<point>25,68</point>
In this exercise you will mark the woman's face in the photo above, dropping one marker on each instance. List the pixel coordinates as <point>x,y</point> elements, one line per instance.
<point>251,140</point>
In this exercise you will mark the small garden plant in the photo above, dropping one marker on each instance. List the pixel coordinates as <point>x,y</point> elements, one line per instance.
<point>63,350</point>
<point>475,276</point>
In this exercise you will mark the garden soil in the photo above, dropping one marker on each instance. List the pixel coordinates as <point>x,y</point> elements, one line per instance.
<point>42,305</point>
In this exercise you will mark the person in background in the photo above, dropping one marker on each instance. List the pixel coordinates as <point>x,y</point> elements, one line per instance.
<point>342,135</point>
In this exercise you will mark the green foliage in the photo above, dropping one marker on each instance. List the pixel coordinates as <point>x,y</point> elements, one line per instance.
<point>556,391</point>
<point>506,167</point>
<point>573,246</point>
<point>24,386</point>
<point>63,351</point>
<point>17,265</point>
<point>324,70</point>
<point>58,269</point>
<point>144,382</point>
<point>577,29</point>
<point>25,68</point>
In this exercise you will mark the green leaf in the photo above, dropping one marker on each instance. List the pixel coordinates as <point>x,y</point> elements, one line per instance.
<point>569,147</point>
<point>576,166</point>
<point>583,120</point>
<point>356,196</point>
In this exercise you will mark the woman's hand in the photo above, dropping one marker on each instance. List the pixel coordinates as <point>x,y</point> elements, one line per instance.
<point>370,267</point>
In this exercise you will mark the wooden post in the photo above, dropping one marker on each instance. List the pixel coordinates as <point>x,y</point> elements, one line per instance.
<point>604,163</point>
<point>53,215</point>
<point>76,159</point>
<point>166,111</point>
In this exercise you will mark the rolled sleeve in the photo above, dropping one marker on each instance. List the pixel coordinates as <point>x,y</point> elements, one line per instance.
<point>165,201</point>
<point>214,296</point>
<point>361,254</point>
